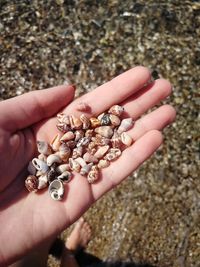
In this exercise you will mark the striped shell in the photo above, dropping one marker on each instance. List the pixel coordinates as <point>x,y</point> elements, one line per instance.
<point>31,183</point>
<point>93,174</point>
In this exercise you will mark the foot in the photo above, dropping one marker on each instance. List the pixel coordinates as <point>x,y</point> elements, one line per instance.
<point>79,237</point>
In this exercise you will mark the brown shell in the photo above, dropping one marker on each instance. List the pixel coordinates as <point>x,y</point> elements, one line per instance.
<point>75,122</point>
<point>31,183</point>
<point>95,122</point>
<point>85,120</point>
<point>63,127</point>
<point>116,110</point>
<point>78,135</point>
<point>89,133</point>
<point>105,131</point>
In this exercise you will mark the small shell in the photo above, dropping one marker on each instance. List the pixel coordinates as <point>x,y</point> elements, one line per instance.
<point>81,161</point>
<point>63,127</point>
<point>77,152</point>
<point>85,120</point>
<point>126,139</point>
<point>51,175</point>
<point>95,122</point>
<point>125,125</point>
<point>42,157</point>
<point>71,144</point>
<point>89,133</point>
<point>116,140</point>
<point>89,158</point>
<point>101,152</point>
<point>43,148</point>
<point>103,163</point>
<point>67,136</point>
<point>78,135</point>
<point>63,118</point>
<point>56,189</point>
<point>31,183</point>
<point>75,122</point>
<point>40,165</point>
<point>55,143</point>
<point>85,169</point>
<point>92,151</point>
<point>65,176</point>
<point>105,120</point>
<point>91,146</point>
<point>64,148</point>
<point>31,168</point>
<point>83,141</point>
<point>74,166</point>
<point>82,106</point>
<point>115,121</point>
<point>100,116</point>
<point>113,154</point>
<point>62,168</point>
<point>53,158</point>
<point>100,140</point>
<point>116,110</point>
<point>42,181</point>
<point>93,175</point>
<point>105,131</point>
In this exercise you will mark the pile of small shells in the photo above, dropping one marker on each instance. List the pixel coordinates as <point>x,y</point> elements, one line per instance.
<point>85,145</point>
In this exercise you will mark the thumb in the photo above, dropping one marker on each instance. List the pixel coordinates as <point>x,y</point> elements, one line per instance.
<point>22,111</point>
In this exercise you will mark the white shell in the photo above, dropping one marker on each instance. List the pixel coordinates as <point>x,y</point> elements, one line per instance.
<point>65,176</point>
<point>89,158</point>
<point>74,165</point>
<point>105,131</point>
<point>56,189</point>
<point>55,143</point>
<point>85,169</point>
<point>43,148</point>
<point>42,181</point>
<point>67,136</point>
<point>125,125</point>
<point>53,158</point>
<point>80,161</point>
<point>62,168</point>
<point>126,139</point>
<point>40,165</point>
<point>101,152</point>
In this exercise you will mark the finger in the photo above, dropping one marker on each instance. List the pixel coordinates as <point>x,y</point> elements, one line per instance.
<point>156,120</point>
<point>130,160</point>
<point>114,91</point>
<point>147,98</point>
<point>22,111</point>
<point>102,98</point>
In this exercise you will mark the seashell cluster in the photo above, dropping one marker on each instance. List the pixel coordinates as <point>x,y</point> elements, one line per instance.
<point>84,145</point>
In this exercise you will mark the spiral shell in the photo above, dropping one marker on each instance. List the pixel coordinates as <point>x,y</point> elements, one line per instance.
<point>126,139</point>
<point>113,154</point>
<point>67,136</point>
<point>101,152</point>
<point>85,169</point>
<point>65,176</point>
<point>115,121</point>
<point>90,158</point>
<point>63,127</point>
<point>56,189</point>
<point>125,125</point>
<point>95,122</point>
<point>83,141</point>
<point>80,161</point>
<point>53,158</point>
<point>93,174</point>
<point>55,143</point>
<point>74,166</point>
<point>105,120</point>
<point>89,133</point>
<point>103,163</point>
<point>42,181</point>
<point>116,110</point>
<point>62,168</point>
<point>78,135</point>
<point>116,140</point>
<point>40,165</point>
<point>77,152</point>
<point>43,148</point>
<point>105,131</point>
<point>63,118</point>
<point>85,120</point>
<point>75,123</point>
<point>31,183</point>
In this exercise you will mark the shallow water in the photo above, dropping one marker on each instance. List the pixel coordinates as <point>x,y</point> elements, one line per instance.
<point>153,217</point>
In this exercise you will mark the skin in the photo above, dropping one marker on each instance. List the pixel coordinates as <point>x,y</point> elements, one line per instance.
<point>28,219</point>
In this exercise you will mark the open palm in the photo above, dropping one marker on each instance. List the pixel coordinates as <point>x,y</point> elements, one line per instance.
<point>28,219</point>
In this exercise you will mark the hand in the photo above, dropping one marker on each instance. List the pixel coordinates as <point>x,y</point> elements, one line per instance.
<point>27,219</point>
